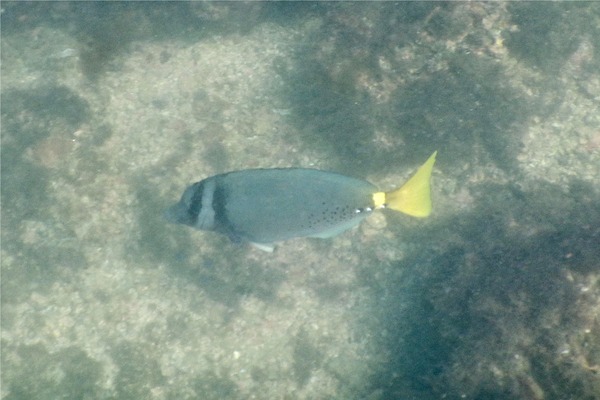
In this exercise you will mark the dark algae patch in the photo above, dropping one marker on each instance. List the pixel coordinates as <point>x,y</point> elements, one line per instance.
<point>306,358</point>
<point>496,316</point>
<point>68,374</point>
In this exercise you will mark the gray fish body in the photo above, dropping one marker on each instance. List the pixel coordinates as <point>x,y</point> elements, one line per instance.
<point>264,206</point>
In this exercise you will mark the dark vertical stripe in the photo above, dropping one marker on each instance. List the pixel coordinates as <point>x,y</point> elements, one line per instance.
<point>222,222</point>
<point>196,203</point>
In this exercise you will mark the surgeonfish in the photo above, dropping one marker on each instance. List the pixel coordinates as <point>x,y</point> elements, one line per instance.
<point>266,206</point>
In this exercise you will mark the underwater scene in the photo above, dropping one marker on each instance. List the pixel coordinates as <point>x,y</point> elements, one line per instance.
<point>110,110</point>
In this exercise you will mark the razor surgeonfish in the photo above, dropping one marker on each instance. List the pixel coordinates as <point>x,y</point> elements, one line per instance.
<point>266,206</point>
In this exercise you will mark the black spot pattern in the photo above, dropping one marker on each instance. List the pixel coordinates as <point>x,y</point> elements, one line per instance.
<point>333,215</point>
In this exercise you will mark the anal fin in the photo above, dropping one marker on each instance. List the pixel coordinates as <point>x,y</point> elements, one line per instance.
<point>268,247</point>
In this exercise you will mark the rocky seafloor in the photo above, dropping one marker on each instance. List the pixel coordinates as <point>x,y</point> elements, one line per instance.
<point>109,110</point>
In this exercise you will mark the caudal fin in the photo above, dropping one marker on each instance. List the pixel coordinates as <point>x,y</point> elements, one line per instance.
<point>414,197</point>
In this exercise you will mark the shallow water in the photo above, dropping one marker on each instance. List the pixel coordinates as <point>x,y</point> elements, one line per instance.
<point>109,110</point>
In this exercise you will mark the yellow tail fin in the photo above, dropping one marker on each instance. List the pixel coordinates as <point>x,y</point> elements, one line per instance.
<point>414,198</point>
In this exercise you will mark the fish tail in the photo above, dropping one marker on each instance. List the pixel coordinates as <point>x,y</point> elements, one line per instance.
<point>414,197</point>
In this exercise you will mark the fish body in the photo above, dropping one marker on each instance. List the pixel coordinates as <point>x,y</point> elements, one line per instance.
<point>265,206</point>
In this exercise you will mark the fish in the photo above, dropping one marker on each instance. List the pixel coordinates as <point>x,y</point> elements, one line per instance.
<point>263,207</point>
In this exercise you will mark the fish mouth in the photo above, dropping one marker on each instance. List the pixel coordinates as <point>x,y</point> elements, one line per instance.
<point>177,214</point>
